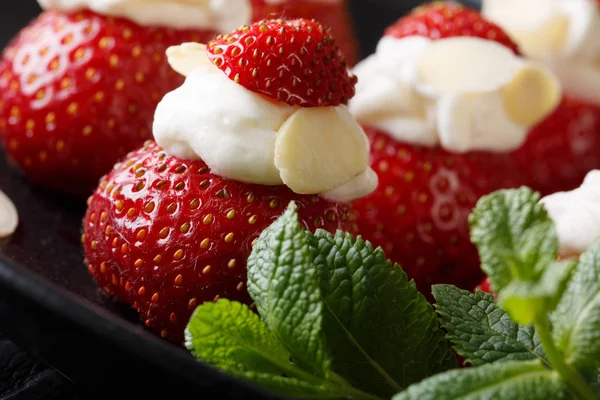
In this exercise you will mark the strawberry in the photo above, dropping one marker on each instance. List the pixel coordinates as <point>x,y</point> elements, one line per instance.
<point>295,61</point>
<point>333,14</point>
<point>419,212</point>
<point>562,149</point>
<point>164,234</point>
<point>446,19</point>
<point>77,92</point>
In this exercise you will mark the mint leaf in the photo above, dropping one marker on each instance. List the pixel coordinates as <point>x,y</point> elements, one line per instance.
<point>510,380</point>
<point>514,235</point>
<point>481,331</point>
<point>525,300</point>
<point>382,333</point>
<point>283,282</point>
<point>576,320</point>
<point>233,338</point>
<point>230,336</point>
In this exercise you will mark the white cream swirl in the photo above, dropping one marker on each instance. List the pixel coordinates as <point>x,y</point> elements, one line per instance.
<point>576,215</point>
<point>214,15</point>
<point>564,34</point>
<point>244,136</point>
<point>462,93</point>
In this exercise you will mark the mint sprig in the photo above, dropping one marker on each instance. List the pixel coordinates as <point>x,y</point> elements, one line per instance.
<point>343,321</point>
<point>338,320</point>
<point>518,246</point>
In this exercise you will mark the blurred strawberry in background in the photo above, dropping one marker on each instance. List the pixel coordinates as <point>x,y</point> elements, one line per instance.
<point>564,36</point>
<point>442,137</point>
<point>332,13</point>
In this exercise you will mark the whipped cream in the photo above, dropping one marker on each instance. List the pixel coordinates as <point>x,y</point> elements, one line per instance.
<point>576,215</point>
<point>214,15</point>
<point>462,93</point>
<point>244,136</point>
<point>564,34</point>
<point>9,219</point>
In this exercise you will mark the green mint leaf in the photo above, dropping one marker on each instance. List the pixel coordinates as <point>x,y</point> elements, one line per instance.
<point>230,336</point>
<point>576,320</point>
<point>526,300</point>
<point>382,333</point>
<point>510,380</point>
<point>283,282</point>
<point>515,237</point>
<point>481,331</point>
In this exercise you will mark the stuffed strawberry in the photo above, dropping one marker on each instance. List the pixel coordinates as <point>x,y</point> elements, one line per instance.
<point>566,38</point>
<point>331,13</point>
<point>446,99</point>
<point>78,88</point>
<point>260,121</point>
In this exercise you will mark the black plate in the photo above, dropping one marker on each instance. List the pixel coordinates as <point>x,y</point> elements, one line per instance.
<point>57,312</point>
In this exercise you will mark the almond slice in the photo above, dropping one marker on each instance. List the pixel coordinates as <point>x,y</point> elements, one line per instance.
<point>186,57</point>
<point>319,149</point>
<point>9,219</point>
<point>531,95</point>
<point>448,66</point>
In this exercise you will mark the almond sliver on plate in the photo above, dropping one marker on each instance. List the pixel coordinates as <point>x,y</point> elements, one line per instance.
<point>9,219</point>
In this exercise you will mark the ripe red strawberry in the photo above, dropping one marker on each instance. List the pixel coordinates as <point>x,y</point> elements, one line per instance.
<point>484,286</point>
<point>448,19</point>
<point>419,212</point>
<point>333,14</point>
<point>562,149</point>
<point>295,61</point>
<point>77,92</point>
<point>164,234</point>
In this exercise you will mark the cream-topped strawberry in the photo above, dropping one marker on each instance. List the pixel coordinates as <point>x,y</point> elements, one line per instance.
<point>565,36</point>
<point>446,99</point>
<point>171,226</point>
<point>78,88</point>
<point>287,125</point>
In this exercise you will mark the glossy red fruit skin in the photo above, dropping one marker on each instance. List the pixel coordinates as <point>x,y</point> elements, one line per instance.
<point>484,286</point>
<point>292,61</point>
<point>563,148</point>
<point>419,212</point>
<point>334,15</point>
<point>448,19</point>
<point>164,234</point>
<point>78,91</point>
